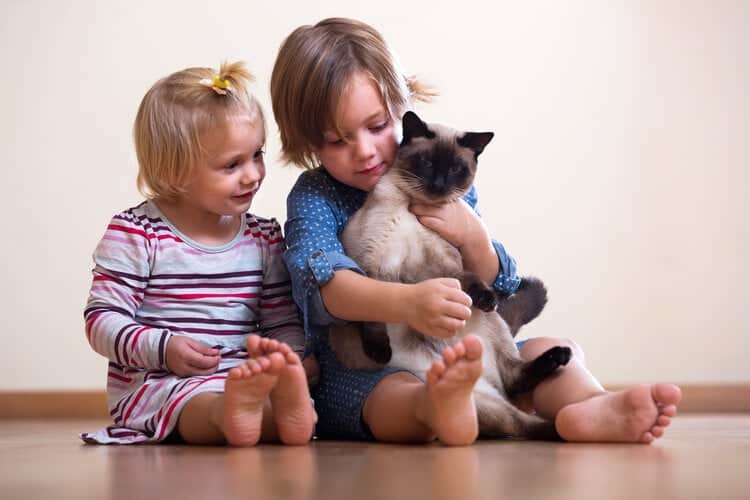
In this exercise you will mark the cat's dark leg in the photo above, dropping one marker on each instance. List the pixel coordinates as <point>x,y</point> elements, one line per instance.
<point>375,342</point>
<point>519,378</point>
<point>482,296</point>
<point>524,305</point>
<point>499,418</point>
<point>346,341</point>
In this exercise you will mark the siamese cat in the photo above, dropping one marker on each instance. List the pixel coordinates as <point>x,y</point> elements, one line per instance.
<point>435,164</point>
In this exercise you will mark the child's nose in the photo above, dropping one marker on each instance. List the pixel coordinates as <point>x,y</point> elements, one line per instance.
<point>365,148</point>
<point>251,174</point>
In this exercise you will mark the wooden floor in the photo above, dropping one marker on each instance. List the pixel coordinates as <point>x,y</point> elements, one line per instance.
<point>702,456</point>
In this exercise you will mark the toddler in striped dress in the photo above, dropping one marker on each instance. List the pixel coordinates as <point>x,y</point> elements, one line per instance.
<point>191,300</point>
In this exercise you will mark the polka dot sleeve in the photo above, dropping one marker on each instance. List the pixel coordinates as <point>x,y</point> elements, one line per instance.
<point>315,218</point>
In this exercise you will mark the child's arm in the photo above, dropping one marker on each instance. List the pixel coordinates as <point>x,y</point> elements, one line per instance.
<point>459,223</point>
<point>121,273</point>
<point>279,317</point>
<point>327,284</point>
<point>435,307</point>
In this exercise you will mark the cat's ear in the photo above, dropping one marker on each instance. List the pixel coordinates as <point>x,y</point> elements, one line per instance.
<point>476,141</point>
<point>414,127</point>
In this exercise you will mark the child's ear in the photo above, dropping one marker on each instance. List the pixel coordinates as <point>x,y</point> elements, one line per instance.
<point>476,141</point>
<point>414,127</point>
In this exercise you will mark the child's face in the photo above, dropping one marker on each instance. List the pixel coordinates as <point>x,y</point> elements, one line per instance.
<point>366,152</point>
<point>231,170</point>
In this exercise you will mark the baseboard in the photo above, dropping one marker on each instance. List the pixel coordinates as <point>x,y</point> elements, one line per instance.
<point>697,398</point>
<point>711,398</point>
<point>53,404</point>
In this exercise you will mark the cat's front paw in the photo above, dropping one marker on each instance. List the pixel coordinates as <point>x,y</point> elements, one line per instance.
<point>482,298</point>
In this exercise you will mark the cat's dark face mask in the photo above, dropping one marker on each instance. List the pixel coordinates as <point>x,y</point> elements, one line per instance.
<point>439,163</point>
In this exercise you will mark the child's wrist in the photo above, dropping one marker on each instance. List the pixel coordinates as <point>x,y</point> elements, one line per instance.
<point>477,247</point>
<point>402,302</point>
<point>482,259</point>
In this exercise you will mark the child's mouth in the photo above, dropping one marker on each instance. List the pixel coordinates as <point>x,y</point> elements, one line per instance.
<point>244,197</point>
<point>373,170</point>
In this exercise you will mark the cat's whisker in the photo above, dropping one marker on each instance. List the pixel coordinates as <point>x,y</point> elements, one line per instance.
<point>411,183</point>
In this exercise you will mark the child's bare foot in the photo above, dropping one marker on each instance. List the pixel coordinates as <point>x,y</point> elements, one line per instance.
<point>245,393</point>
<point>452,414</point>
<point>290,398</point>
<point>254,345</point>
<point>636,415</point>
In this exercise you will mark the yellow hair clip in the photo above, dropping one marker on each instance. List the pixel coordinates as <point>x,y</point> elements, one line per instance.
<point>217,84</point>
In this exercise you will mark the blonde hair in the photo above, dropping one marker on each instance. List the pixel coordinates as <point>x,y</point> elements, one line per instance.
<point>175,112</point>
<point>315,65</point>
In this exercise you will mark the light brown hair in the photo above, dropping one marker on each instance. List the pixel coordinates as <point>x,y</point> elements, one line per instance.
<point>175,112</point>
<point>315,65</point>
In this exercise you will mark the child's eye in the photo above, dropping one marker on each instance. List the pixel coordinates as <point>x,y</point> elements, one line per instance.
<point>258,154</point>
<point>334,141</point>
<point>379,127</point>
<point>232,165</point>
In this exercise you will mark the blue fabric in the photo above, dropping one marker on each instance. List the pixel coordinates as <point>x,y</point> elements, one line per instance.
<point>318,209</point>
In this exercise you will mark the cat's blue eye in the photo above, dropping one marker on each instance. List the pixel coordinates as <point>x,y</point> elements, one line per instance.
<point>454,169</point>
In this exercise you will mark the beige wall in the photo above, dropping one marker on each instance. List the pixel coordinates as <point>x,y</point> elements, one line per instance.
<point>619,172</point>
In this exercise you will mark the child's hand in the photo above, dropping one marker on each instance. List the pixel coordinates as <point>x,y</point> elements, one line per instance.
<point>438,307</point>
<point>188,357</point>
<point>454,221</point>
<point>459,225</point>
<point>312,369</point>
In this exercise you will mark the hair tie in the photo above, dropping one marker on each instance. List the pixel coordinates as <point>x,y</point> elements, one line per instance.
<point>217,84</point>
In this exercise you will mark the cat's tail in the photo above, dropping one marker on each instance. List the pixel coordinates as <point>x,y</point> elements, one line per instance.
<point>524,305</point>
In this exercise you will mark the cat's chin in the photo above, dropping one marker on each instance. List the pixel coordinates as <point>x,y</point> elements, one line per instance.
<point>428,199</point>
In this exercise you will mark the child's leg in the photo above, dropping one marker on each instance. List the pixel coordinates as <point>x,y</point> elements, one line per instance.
<point>293,413</point>
<point>584,411</point>
<point>240,416</point>
<point>403,409</point>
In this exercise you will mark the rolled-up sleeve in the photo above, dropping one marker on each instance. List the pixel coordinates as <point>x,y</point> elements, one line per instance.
<point>314,252</point>
<point>507,278</point>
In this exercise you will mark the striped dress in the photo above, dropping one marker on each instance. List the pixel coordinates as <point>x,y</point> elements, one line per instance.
<point>151,282</point>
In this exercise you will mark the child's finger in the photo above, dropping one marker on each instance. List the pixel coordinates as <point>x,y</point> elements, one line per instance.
<point>452,326</point>
<point>202,362</point>
<point>430,222</point>
<point>444,333</point>
<point>201,371</point>
<point>451,283</point>
<point>457,311</point>
<point>459,297</point>
<point>421,209</point>
<point>203,349</point>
